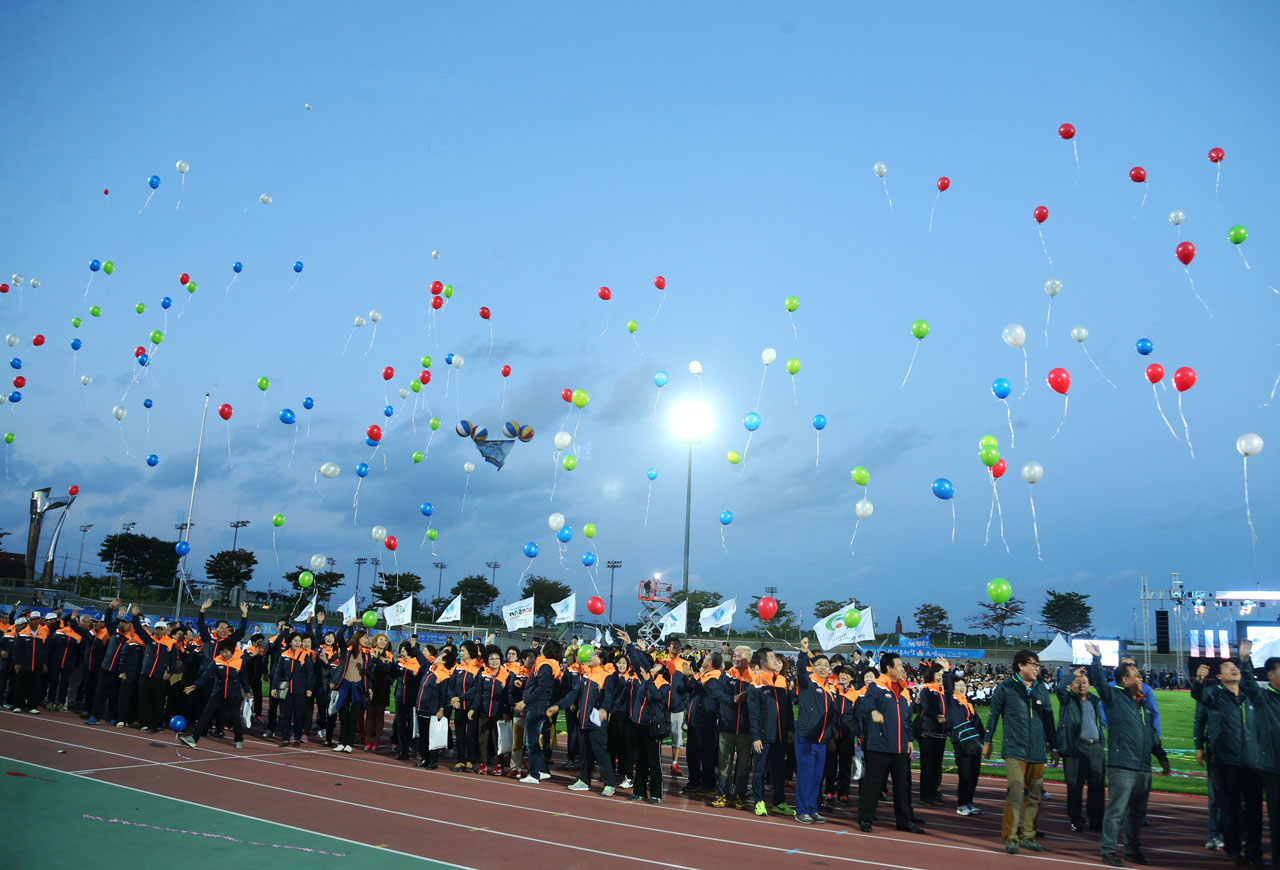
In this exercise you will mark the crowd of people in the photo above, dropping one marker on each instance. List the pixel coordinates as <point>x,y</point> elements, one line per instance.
<point>744,721</point>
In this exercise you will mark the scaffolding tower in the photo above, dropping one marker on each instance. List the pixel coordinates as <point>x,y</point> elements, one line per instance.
<point>653,596</point>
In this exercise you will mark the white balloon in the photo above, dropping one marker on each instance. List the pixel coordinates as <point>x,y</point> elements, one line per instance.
<point>768,355</point>
<point>86,380</point>
<point>330,470</point>
<point>1053,287</point>
<point>404,392</point>
<point>3,398</point>
<point>1079,333</point>
<point>1032,472</point>
<point>12,340</point>
<point>35,283</point>
<point>1014,335</point>
<point>1176,217</point>
<point>318,562</point>
<point>695,368</point>
<point>563,439</point>
<point>183,166</point>
<point>16,279</point>
<point>265,199</point>
<point>435,255</point>
<point>307,106</point>
<point>119,412</point>
<point>863,509</point>
<point>375,315</point>
<point>468,467</point>
<point>556,522</point>
<point>379,533</point>
<point>457,360</point>
<point>880,170</point>
<point>359,321</point>
<point>1249,444</point>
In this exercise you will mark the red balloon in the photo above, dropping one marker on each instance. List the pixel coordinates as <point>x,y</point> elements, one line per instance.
<point>1155,373</point>
<point>183,279</point>
<point>1185,252</point>
<point>73,490</point>
<point>605,293</point>
<point>1059,380</point>
<point>38,340</point>
<point>4,288</point>
<point>1067,131</point>
<point>1041,214</point>
<point>595,605</point>
<point>1184,379</point>
<point>424,376</point>
<point>767,607</point>
<point>224,411</point>
<point>998,470</point>
<point>943,183</point>
<point>19,382</point>
<point>139,351</point>
<point>506,371</point>
<point>436,288</point>
<point>390,542</point>
<point>566,394</point>
<point>374,432</point>
<point>484,312</point>
<point>660,283</point>
<point>1137,175</point>
<point>1216,155</point>
<point>437,302</point>
<point>388,373</point>
<point>105,191</point>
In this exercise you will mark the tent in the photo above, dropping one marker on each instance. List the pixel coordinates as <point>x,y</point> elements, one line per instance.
<point>1058,651</point>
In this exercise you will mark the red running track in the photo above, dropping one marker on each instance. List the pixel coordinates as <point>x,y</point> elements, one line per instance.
<point>483,822</point>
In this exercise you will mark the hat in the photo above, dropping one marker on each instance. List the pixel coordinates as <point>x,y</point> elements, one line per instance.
<point>35,614</point>
<point>21,620</point>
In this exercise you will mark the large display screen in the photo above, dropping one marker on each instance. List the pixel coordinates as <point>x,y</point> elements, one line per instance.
<point>1110,650</point>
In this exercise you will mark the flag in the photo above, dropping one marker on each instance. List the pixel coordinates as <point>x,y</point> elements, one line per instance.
<point>452,613</point>
<point>348,610</point>
<point>674,620</point>
<point>567,610</point>
<point>309,610</point>
<point>608,637</point>
<point>400,613</point>
<point>718,616</point>
<point>519,614</point>
<point>597,638</point>
<point>832,632</point>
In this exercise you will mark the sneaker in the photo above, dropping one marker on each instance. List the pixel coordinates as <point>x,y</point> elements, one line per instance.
<point>1011,846</point>
<point>626,783</point>
<point>297,744</point>
<point>720,802</point>
<point>346,749</point>
<point>529,780</point>
<point>963,811</point>
<point>92,720</point>
<point>761,809</point>
<point>303,739</point>
<point>579,786</point>
<point>543,777</point>
<point>459,767</point>
<point>118,724</point>
<point>190,741</point>
<point>655,800</point>
<point>145,730</point>
<point>974,811</point>
<point>220,733</point>
<point>484,769</point>
<point>267,735</point>
<point>676,771</point>
<point>516,774</point>
<point>239,744</point>
<point>739,804</point>
<point>1033,845</point>
<point>1112,861</point>
<point>804,819</point>
<point>609,791</point>
<point>818,820</point>
<point>338,748</point>
<point>1214,843</point>
<point>783,810</point>
<point>638,797</point>
<point>469,769</point>
<point>497,770</point>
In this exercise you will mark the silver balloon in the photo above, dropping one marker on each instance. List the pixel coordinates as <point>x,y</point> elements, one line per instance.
<point>404,392</point>
<point>563,440</point>
<point>556,521</point>
<point>375,315</point>
<point>265,199</point>
<point>1249,444</point>
<point>1176,217</point>
<point>695,368</point>
<point>379,533</point>
<point>768,355</point>
<point>359,321</point>
<point>308,106</point>
<point>1079,333</point>
<point>468,467</point>
<point>1014,335</point>
<point>86,380</point>
<point>1053,287</point>
<point>330,470</point>
<point>863,509</point>
<point>16,279</point>
<point>119,412</point>
<point>880,170</point>
<point>435,255</point>
<point>1032,472</point>
<point>35,283</point>
<point>12,340</point>
<point>318,562</point>
<point>183,166</point>
<point>457,361</point>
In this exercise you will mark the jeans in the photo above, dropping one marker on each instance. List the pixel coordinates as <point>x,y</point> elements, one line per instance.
<point>1086,766</point>
<point>774,759</point>
<point>1129,792</point>
<point>1233,783</point>
<point>811,759</point>
<point>1022,800</point>
<point>534,724</point>
<point>734,772</point>
<point>879,766</point>
<point>931,749</point>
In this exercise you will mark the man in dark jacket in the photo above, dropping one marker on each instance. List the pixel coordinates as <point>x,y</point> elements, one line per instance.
<point>884,716</point>
<point>1267,701</point>
<point>1027,709</point>
<point>1080,744</point>
<point>735,731</point>
<point>227,686</point>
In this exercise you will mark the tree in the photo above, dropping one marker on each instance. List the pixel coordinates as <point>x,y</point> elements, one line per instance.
<point>146,560</point>
<point>545,592</point>
<point>395,587</point>
<point>932,619</point>
<point>997,618</point>
<point>826,607</point>
<point>784,620</point>
<point>323,582</point>
<point>699,600</point>
<point>1068,612</point>
<point>230,569</point>
<point>478,594</point>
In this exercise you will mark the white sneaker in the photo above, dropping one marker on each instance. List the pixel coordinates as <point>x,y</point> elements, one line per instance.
<point>579,786</point>
<point>338,748</point>
<point>608,791</point>
<point>34,710</point>
<point>530,780</point>
<point>964,811</point>
<point>239,744</point>
<point>542,777</point>
<point>346,749</point>
<point>974,811</point>
<point>626,783</point>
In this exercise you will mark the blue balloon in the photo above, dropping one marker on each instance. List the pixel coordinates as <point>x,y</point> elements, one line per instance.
<point>165,302</point>
<point>362,470</point>
<point>565,534</point>
<point>308,403</point>
<point>297,265</point>
<point>370,442</point>
<point>15,396</point>
<point>154,181</point>
<point>95,265</point>
<point>661,379</point>
<point>287,416</point>
<point>1001,388</point>
<point>448,359</point>
<point>726,517</point>
<point>143,359</point>
<point>147,403</point>
<point>76,344</point>
<point>751,421</point>
<point>182,548</point>
<point>15,363</point>
<point>531,549</point>
<point>588,559</point>
<point>387,410</point>
<point>652,473</point>
<point>237,266</point>
<point>427,508</point>
<point>1145,346</point>
<point>153,460</point>
<point>178,724</point>
<point>819,422</point>
<point>942,488</point>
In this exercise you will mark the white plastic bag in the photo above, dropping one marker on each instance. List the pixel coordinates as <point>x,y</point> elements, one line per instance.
<point>506,737</point>
<point>858,767</point>
<point>246,713</point>
<point>438,735</point>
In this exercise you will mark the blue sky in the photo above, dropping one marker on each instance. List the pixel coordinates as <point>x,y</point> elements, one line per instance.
<point>547,151</point>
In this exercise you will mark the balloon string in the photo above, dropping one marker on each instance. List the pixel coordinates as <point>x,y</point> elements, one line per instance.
<point>991,514</point>
<point>122,440</point>
<point>1000,511</point>
<point>294,448</point>
<point>555,476</point>
<point>448,379</point>
<point>522,573</point>
<point>457,396</point>
<point>817,459</point>
<point>886,192</point>
<point>608,309</point>
<point>1185,429</point>
<point>1217,179</point>
<point>1026,381</point>
<point>1161,410</point>
<point>795,398</point>
<point>1253,535</point>
<point>424,536</point>
<point>503,406</point>
<point>856,523</point>
<point>262,409</point>
<point>1009,415</point>
<point>760,392</point>
<point>355,502</point>
<point>909,367</point>
<point>647,499</point>
<point>656,399</point>
<point>1146,188</point>
<point>148,202</point>
<point>1034,525</point>
<point>1047,314</point>
<point>1076,150</point>
<point>273,546</point>
<point>233,280</point>
<point>794,332</point>
<point>465,487</point>
<point>490,354</point>
<point>931,209</point>
<point>181,190</point>
<point>661,302</point>
<point>90,284</point>
<point>1065,401</point>
<point>723,544</point>
<point>953,520</point>
<point>1272,397</point>
<point>1240,250</point>
<point>1043,246</point>
<point>1095,367</point>
<point>294,284</point>
<point>230,464</point>
<point>636,341</point>
<point>745,449</point>
<point>1197,292</point>
<point>371,339</point>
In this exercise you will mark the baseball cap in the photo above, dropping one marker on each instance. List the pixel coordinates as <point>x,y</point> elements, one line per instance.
<point>35,614</point>
<point>21,620</point>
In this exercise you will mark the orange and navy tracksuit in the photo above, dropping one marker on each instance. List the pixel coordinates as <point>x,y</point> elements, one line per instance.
<point>591,695</point>
<point>888,748</point>
<point>932,701</point>
<point>819,715</point>
<point>291,680</point>
<point>769,703</point>
<point>30,657</point>
<point>650,709</point>
<point>227,685</point>
<point>433,698</point>
<point>622,749</point>
<point>492,700</point>
<point>465,728</point>
<point>734,732</point>
<point>106,696</point>
<point>157,663</point>
<point>64,655</point>
<point>840,763</point>
<point>408,675</point>
<point>539,694</point>
<point>703,751</point>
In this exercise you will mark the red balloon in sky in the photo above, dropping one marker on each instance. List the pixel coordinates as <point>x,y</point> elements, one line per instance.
<point>1059,380</point>
<point>19,382</point>
<point>1155,373</point>
<point>1184,379</point>
<point>566,394</point>
<point>767,607</point>
<point>484,312</point>
<point>1216,155</point>
<point>388,373</point>
<point>73,490</point>
<point>4,288</point>
<point>437,302</point>
<point>1067,131</point>
<point>105,191</point>
<point>595,605</point>
<point>224,411</point>
<point>38,340</point>
<point>139,351</point>
<point>506,371</point>
<point>998,470</point>
<point>1041,214</point>
<point>390,542</point>
<point>374,432</point>
<point>943,183</point>
<point>183,279</point>
<point>424,376</point>
<point>1186,252</point>
<point>436,288</point>
<point>1137,175</point>
<point>660,283</point>
<point>605,293</point>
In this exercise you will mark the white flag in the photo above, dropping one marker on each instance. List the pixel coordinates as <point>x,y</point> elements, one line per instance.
<point>400,613</point>
<point>348,610</point>
<point>597,638</point>
<point>832,632</point>
<point>519,614</point>
<point>674,620</point>
<point>567,610</point>
<point>718,616</point>
<point>608,637</point>
<point>309,610</point>
<point>452,613</point>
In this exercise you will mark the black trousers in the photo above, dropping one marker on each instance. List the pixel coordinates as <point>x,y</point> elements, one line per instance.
<point>1232,783</point>
<point>403,731</point>
<point>57,681</point>
<point>106,695</point>
<point>430,756</point>
<point>468,738</point>
<point>573,746</point>
<point>127,705</point>
<point>879,766</point>
<point>648,779</point>
<point>595,749</point>
<point>968,767</point>
<point>622,745</point>
<point>931,750</point>
<point>704,763</point>
<point>774,760</point>
<point>256,688</point>
<point>27,689</point>
<point>292,708</point>
<point>151,698</point>
<point>1271,785</point>
<point>228,707</point>
<point>273,712</point>
<point>1086,766</point>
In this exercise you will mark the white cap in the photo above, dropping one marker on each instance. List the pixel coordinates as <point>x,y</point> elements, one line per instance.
<point>35,614</point>
<point>21,620</point>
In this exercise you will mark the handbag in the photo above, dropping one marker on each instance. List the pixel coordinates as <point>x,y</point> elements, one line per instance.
<point>661,727</point>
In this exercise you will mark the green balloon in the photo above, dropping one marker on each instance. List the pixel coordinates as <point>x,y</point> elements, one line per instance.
<point>415,385</point>
<point>435,423</point>
<point>139,308</point>
<point>426,362</point>
<point>999,590</point>
<point>277,520</point>
<point>569,463</point>
<point>860,476</point>
<point>305,579</point>
<point>9,438</point>
<point>108,267</point>
<point>791,303</point>
<point>432,534</point>
<point>988,441</point>
<point>989,456</point>
<point>75,321</point>
<point>793,366</point>
<point>370,619</point>
<point>1237,234</point>
<point>589,530</point>
<point>585,652</point>
<point>156,336</point>
<point>734,457</point>
<point>852,617</point>
<point>95,311</point>
<point>580,398</point>
<point>418,456</point>
<point>263,383</point>
<point>920,329</point>
<point>191,286</point>
<point>448,291</point>
<point>632,326</point>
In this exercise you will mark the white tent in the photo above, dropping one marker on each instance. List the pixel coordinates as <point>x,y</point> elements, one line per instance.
<point>1058,651</point>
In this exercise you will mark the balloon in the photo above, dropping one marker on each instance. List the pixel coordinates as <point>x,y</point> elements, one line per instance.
<point>565,535</point>
<point>880,170</point>
<point>1216,155</point>
<point>556,522</point>
<point>1176,217</point>
<point>1041,214</point>
<point>660,282</point>
<point>569,463</point>
<point>388,373</point>
<point>860,475</point>
<point>605,293</point>
<point>726,517</point>
<point>589,530</point>
<point>988,441</point>
<point>19,382</point>
<point>224,411</point>
<point>1185,252</point>
<point>695,368</point>
<point>998,470</point>
<point>989,456</point>
<point>464,428</point>
<point>1059,380</point>
<point>1032,472</point>
<point>359,321</point>
<point>767,607</point>
<point>390,542</point>
<point>15,396</point>
<point>511,429</point>
<point>424,376</point>
<point>660,379</point>
<point>108,267</point>
<point>652,474</point>
<point>920,329</point>
<point>566,394</point>
<point>9,438</point>
<point>734,457</point>
<point>73,490</point>
<point>370,619</point>
<point>448,291</point>
<point>183,279</point>
<point>526,434</point>
<point>147,403</point>
<point>793,366</point>
<point>165,302</point>
<point>1014,335</point>
<point>457,361</point>
<point>374,432</point>
<point>436,287</point>
<point>580,398</point>
<point>362,469</point>
<point>943,183</point>
<point>308,403</point>
<point>1237,234</point>
<point>751,421</point>
<point>862,508</point>
<point>1155,373</point>
<point>418,456</point>
<point>263,383</point>
<point>118,411</point>
<point>942,488</point>
<point>182,548</point>
<point>506,371</point>
<point>468,467</point>
<point>434,423</point>
<point>318,562</point>
<point>437,303</point>
<point>432,534</point>
<point>75,321</point>
<point>1144,346</point>
<point>1184,379</point>
<point>375,315</point>
<point>1001,388</point>
<point>768,355</point>
<point>531,550</point>
<point>595,604</point>
<point>1079,333</point>
<point>1052,287</point>
<point>562,440</point>
<point>330,470</point>
<point>1137,175</point>
<point>237,267</point>
<point>305,579</point>
<point>95,311</point>
<point>12,340</point>
<point>1249,444</point>
<point>277,520</point>
<point>95,265</point>
<point>15,363</point>
<point>265,199</point>
<point>852,617</point>
<point>287,416</point>
<point>177,723</point>
<point>484,312</point>
<point>585,652</point>
<point>1067,131</point>
<point>297,265</point>
<point>387,410</point>
<point>819,422</point>
<point>379,533</point>
<point>791,303</point>
<point>76,344</point>
<point>632,326</point>
<point>998,590</point>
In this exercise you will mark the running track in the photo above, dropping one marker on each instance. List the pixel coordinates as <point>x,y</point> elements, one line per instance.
<point>483,822</point>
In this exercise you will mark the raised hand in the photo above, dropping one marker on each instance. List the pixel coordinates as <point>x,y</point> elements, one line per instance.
<point>244,609</point>
<point>1092,649</point>
<point>208,602</point>
<point>1246,648</point>
<point>1201,673</point>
